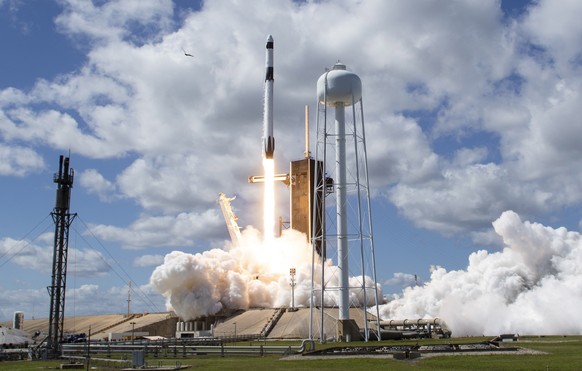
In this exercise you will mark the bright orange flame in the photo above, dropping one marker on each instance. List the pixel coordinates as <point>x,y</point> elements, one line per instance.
<point>269,202</point>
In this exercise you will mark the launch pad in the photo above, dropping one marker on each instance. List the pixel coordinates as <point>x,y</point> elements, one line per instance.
<point>349,237</point>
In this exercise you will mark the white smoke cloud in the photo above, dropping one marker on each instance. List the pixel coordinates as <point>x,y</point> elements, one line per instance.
<point>247,276</point>
<point>532,286</point>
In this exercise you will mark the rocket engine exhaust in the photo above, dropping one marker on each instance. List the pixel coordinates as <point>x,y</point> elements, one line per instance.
<point>268,138</point>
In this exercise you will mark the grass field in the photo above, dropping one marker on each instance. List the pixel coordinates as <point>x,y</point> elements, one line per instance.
<point>561,353</point>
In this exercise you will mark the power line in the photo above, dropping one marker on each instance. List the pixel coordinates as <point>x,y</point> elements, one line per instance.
<point>23,242</point>
<point>143,296</point>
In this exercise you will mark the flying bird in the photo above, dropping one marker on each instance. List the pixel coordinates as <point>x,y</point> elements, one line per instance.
<point>187,54</point>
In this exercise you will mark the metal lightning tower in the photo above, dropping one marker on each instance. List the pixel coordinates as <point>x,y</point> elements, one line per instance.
<point>62,219</point>
<point>347,235</point>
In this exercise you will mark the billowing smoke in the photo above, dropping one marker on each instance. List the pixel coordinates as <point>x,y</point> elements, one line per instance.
<point>247,276</point>
<point>532,286</point>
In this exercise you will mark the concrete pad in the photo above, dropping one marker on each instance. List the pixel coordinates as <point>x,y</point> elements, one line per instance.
<point>250,322</point>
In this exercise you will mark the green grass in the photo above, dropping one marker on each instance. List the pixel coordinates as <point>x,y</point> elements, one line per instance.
<point>563,353</point>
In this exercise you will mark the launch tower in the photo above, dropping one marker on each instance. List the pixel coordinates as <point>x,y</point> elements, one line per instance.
<point>304,196</point>
<point>62,219</point>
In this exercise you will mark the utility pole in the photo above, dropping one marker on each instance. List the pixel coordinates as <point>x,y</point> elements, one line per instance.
<point>89,350</point>
<point>62,219</point>
<point>129,300</point>
<point>132,323</point>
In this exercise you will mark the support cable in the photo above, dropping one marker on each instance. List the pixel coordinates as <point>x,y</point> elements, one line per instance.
<point>145,298</point>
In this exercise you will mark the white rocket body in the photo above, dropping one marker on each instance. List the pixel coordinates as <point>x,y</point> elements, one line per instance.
<point>268,138</point>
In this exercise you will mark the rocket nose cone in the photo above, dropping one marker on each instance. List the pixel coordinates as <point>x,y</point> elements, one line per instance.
<point>270,38</point>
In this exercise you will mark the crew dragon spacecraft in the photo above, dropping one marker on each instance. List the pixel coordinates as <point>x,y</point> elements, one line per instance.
<point>268,138</point>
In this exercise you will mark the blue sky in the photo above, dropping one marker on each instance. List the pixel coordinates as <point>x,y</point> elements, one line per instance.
<point>472,109</point>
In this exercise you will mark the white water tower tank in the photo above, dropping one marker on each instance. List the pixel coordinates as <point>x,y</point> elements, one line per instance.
<point>342,87</point>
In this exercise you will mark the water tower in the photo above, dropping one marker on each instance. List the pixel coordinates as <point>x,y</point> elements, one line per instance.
<point>346,213</point>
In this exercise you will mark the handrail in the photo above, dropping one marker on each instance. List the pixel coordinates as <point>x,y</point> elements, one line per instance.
<point>71,350</point>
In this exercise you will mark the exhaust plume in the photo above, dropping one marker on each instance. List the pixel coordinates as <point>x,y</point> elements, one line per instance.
<point>532,286</point>
<point>250,275</point>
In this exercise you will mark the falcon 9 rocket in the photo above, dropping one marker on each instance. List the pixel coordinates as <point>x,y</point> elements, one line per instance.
<point>268,138</point>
